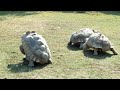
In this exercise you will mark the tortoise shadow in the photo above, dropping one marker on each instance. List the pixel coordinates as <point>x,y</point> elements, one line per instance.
<point>73,47</point>
<point>17,13</point>
<point>111,12</point>
<point>105,12</point>
<point>23,67</point>
<point>102,55</point>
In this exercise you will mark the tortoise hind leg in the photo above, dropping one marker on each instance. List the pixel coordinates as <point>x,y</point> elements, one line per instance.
<point>95,51</point>
<point>114,51</point>
<point>49,62</point>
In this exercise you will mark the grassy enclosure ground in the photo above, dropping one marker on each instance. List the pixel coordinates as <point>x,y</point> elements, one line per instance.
<point>56,28</point>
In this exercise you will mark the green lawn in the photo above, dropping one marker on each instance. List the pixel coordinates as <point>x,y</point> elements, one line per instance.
<point>56,28</point>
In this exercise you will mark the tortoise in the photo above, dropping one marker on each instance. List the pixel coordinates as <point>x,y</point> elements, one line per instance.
<point>79,37</point>
<point>35,47</point>
<point>99,42</point>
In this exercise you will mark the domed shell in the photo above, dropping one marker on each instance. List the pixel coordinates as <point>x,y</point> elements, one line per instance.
<point>81,35</point>
<point>98,40</point>
<point>36,48</point>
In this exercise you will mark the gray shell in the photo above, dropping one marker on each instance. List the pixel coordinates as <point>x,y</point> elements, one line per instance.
<point>100,41</point>
<point>36,48</point>
<point>81,36</point>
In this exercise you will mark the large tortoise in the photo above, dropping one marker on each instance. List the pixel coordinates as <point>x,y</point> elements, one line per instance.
<point>35,48</point>
<point>80,37</point>
<point>99,42</point>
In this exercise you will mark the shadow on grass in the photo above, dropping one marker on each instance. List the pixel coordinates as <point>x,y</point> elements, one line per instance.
<point>17,13</point>
<point>23,67</point>
<point>105,12</point>
<point>102,55</point>
<point>73,11</point>
<point>111,12</point>
<point>73,47</point>
<point>24,13</point>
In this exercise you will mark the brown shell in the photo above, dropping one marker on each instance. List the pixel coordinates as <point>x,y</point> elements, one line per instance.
<point>98,40</point>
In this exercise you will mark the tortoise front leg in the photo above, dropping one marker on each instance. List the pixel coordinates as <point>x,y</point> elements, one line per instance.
<point>81,46</point>
<point>70,43</point>
<point>31,63</point>
<point>114,51</point>
<point>85,47</point>
<point>95,51</point>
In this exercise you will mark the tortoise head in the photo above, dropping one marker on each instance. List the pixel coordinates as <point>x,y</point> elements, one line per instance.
<point>32,31</point>
<point>74,38</point>
<point>28,32</point>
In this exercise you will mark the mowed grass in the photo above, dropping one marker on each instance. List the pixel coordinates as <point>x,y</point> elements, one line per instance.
<point>56,28</point>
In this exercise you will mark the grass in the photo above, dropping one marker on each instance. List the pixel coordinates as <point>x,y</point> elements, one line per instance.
<point>56,28</point>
